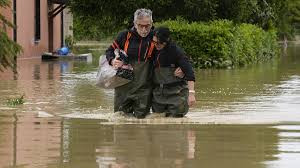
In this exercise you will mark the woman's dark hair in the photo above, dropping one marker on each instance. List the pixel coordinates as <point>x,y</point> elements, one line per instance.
<point>162,34</point>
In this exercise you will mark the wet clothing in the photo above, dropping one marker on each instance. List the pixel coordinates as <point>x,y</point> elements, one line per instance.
<point>135,97</point>
<point>170,93</point>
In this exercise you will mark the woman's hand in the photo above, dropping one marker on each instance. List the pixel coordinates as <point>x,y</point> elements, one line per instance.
<point>191,99</point>
<point>178,72</point>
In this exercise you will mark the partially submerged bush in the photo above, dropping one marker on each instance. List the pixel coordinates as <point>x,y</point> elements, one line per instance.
<point>221,43</point>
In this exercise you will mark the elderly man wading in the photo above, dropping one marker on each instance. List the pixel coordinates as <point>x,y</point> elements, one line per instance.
<point>134,98</point>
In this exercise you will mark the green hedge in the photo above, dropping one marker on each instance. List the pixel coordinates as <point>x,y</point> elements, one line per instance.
<point>222,44</point>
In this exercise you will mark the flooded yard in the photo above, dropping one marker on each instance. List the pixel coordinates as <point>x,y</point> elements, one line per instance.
<point>244,117</point>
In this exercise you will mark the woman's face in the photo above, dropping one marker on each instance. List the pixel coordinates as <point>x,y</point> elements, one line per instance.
<point>158,45</point>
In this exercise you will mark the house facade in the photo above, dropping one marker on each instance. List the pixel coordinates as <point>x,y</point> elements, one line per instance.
<point>39,25</point>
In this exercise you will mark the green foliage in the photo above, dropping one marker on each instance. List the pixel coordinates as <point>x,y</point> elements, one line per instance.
<point>251,44</point>
<point>195,10</point>
<point>267,14</point>
<point>4,3</point>
<point>90,28</point>
<point>70,42</point>
<point>15,101</point>
<point>221,43</point>
<point>9,49</point>
<point>291,19</point>
<point>263,13</point>
<point>216,43</point>
<point>294,9</point>
<point>96,19</point>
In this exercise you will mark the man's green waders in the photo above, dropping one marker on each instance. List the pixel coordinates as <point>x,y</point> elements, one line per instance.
<point>170,94</point>
<point>135,97</point>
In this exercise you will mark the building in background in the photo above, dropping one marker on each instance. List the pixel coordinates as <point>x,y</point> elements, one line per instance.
<point>39,25</point>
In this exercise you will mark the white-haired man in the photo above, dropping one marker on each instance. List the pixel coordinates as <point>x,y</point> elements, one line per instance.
<point>135,97</point>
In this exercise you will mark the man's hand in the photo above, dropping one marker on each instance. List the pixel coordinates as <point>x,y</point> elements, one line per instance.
<point>178,72</point>
<point>116,63</point>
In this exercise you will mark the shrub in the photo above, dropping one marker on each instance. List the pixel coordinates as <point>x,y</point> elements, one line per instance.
<point>221,43</point>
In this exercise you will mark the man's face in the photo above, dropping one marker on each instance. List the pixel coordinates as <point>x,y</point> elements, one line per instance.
<point>143,26</point>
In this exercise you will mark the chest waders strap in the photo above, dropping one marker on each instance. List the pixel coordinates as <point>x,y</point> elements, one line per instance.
<point>126,45</point>
<point>116,46</point>
<point>150,50</point>
<point>127,42</point>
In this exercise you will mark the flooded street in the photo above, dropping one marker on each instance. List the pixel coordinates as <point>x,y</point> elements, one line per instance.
<point>244,117</point>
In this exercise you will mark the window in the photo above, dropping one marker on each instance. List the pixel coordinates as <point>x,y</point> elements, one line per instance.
<point>37,22</point>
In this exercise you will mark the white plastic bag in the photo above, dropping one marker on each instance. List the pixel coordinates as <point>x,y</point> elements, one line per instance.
<point>106,77</point>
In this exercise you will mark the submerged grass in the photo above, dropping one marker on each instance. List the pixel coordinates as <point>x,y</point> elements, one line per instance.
<point>15,101</point>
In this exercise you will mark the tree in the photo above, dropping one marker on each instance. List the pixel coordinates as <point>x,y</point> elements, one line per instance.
<point>288,21</point>
<point>9,49</point>
<point>258,12</point>
<point>94,19</point>
<point>294,8</point>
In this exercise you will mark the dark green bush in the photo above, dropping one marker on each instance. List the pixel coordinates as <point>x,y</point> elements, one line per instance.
<point>96,18</point>
<point>221,43</point>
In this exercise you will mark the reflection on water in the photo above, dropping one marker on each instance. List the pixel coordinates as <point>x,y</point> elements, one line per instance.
<point>288,147</point>
<point>44,132</point>
<point>28,141</point>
